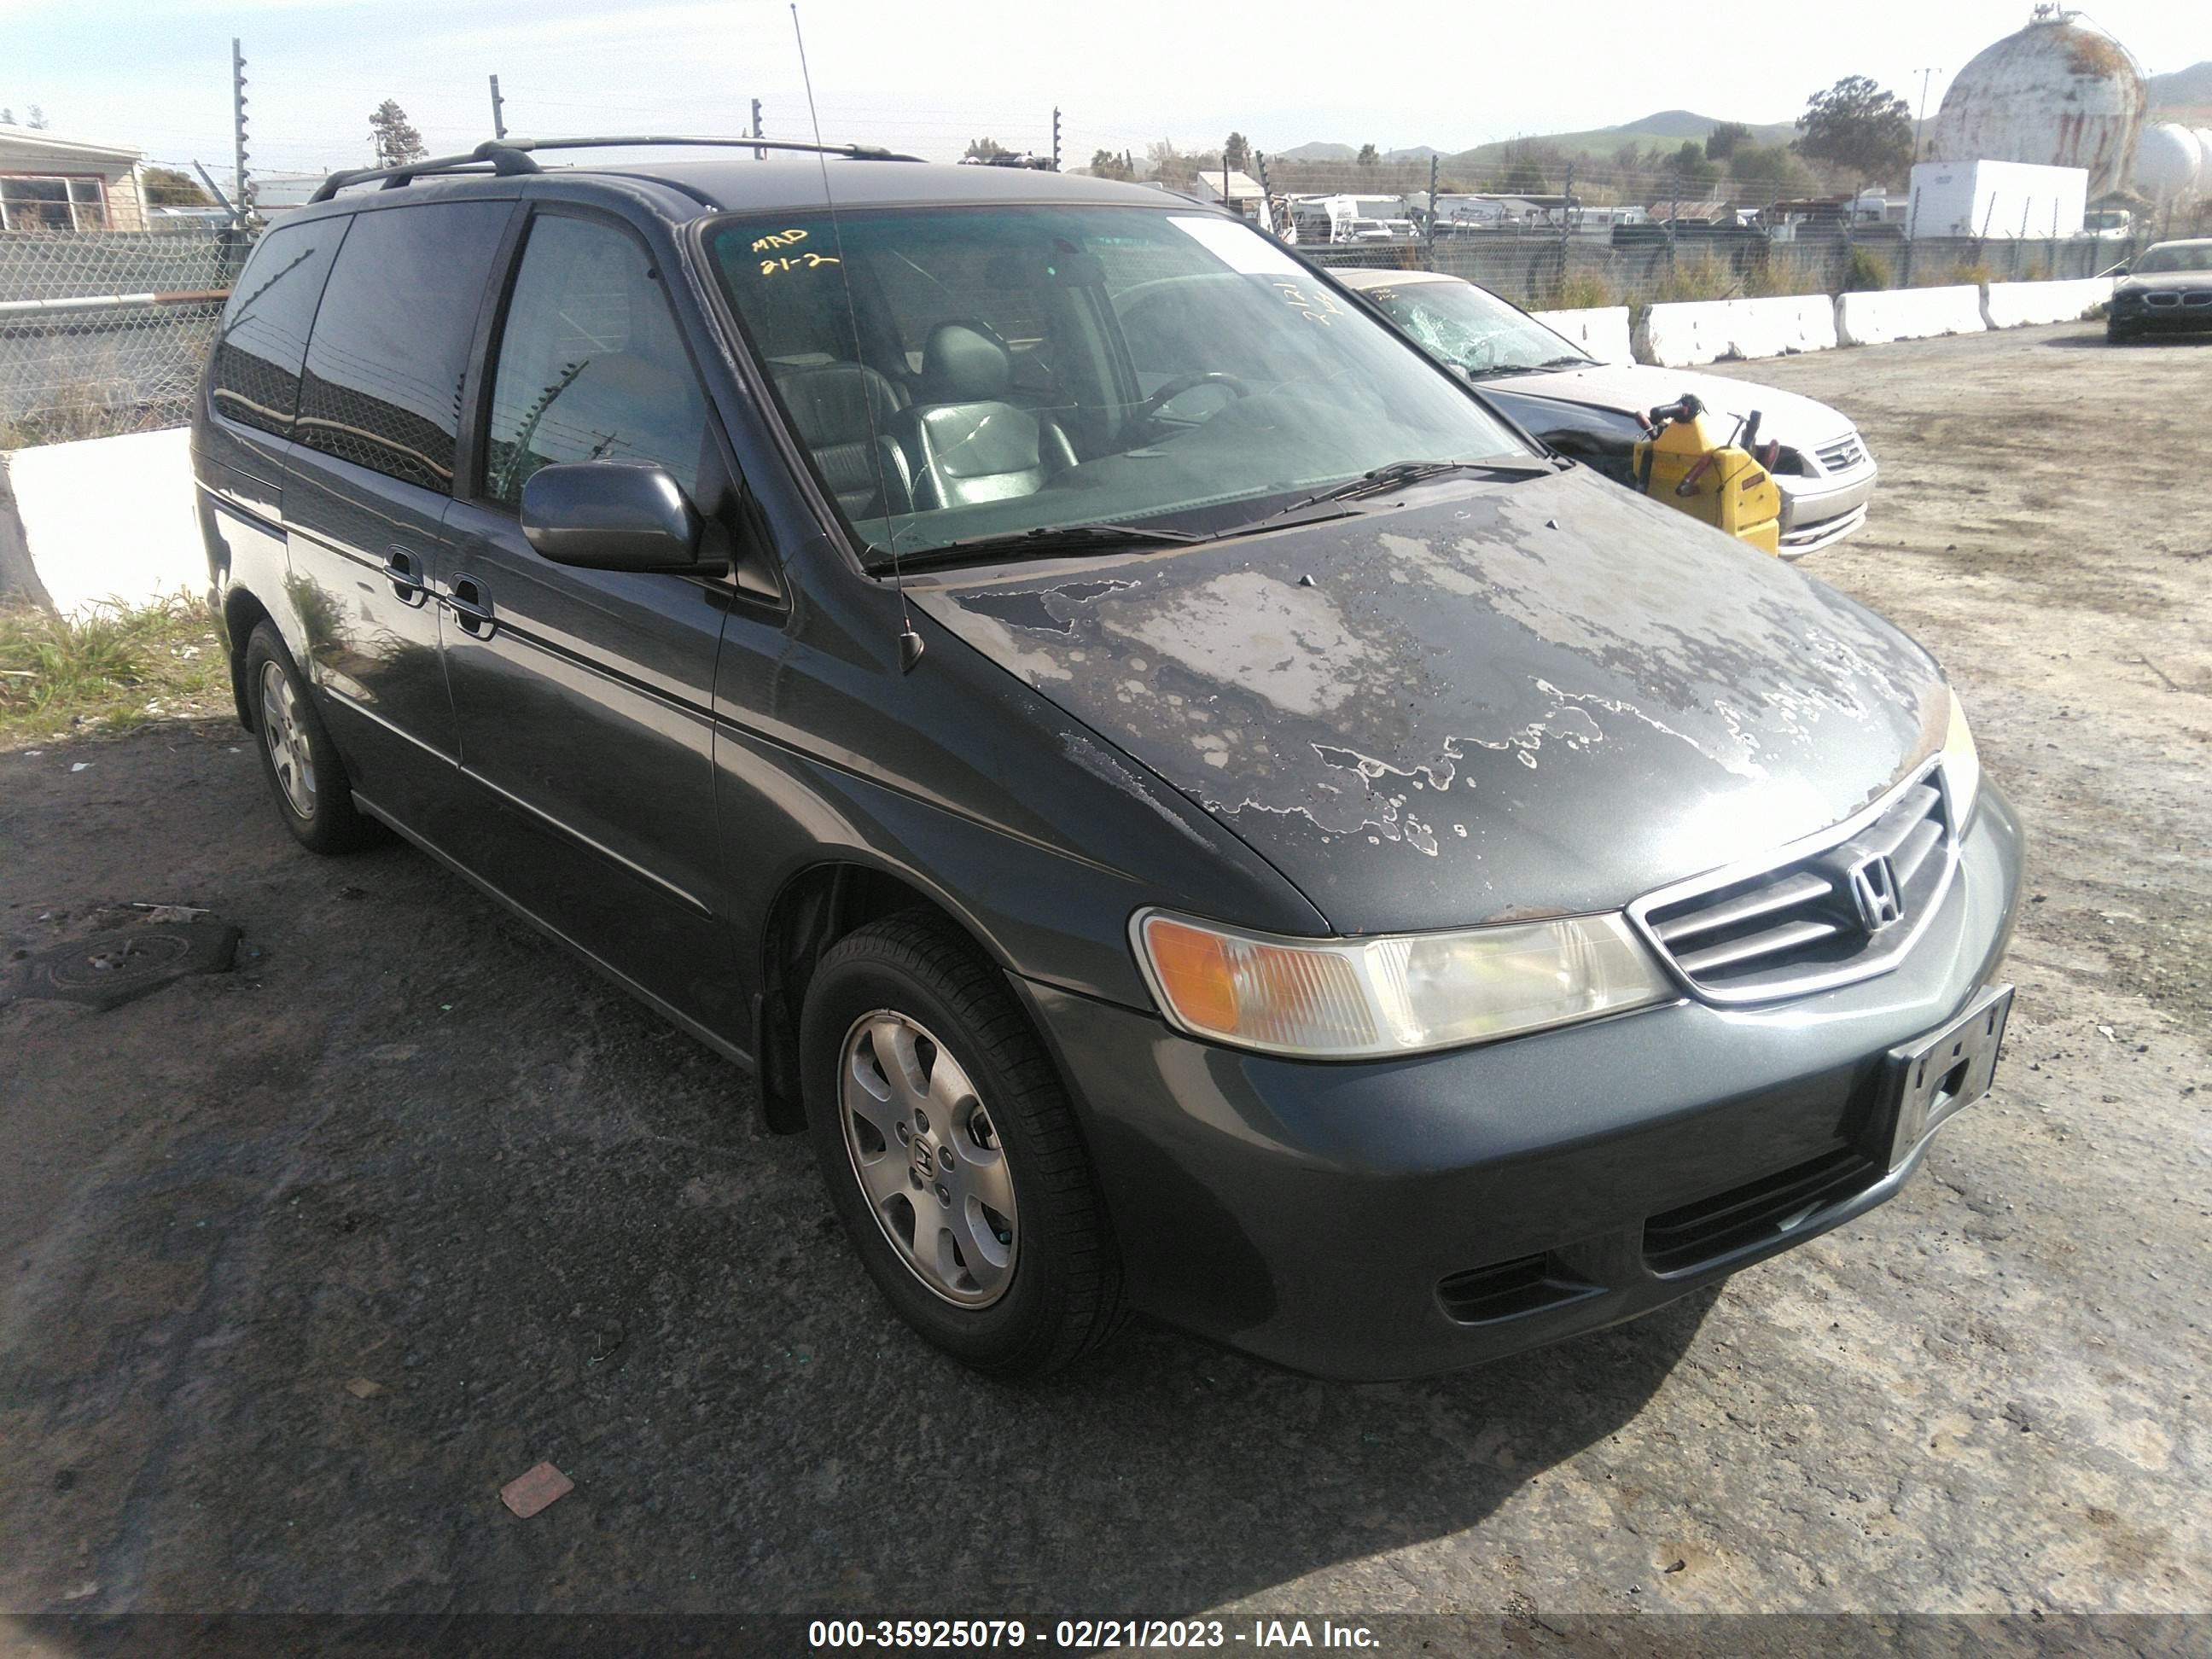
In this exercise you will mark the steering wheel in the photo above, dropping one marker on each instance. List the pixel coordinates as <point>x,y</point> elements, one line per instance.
<point>1150,408</point>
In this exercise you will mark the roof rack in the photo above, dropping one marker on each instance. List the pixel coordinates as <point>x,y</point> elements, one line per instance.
<point>506,156</point>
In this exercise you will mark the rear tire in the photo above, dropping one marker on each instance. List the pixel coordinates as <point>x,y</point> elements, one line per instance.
<point>914,1053</point>
<point>305,775</point>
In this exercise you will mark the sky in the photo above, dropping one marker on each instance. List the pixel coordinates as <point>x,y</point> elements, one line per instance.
<point>928,76</point>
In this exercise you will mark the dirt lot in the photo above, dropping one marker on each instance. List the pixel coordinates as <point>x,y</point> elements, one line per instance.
<point>406,1142</point>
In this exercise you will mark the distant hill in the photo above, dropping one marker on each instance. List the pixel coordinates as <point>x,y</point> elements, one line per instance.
<point>1418,153</point>
<point>1667,126</point>
<point>1319,152</point>
<point>2182,88</point>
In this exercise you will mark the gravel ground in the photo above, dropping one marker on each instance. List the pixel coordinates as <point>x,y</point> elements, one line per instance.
<point>407,1143</point>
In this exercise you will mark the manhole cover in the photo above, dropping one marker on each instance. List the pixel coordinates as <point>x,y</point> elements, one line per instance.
<point>108,969</point>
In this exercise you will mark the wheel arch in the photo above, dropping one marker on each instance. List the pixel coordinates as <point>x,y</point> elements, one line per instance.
<point>814,908</point>
<point>242,612</point>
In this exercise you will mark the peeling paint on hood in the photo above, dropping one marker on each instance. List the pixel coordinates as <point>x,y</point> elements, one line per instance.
<point>1546,695</point>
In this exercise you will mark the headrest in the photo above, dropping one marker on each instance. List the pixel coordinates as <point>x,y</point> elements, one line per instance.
<point>965,363</point>
<point>836,403</point>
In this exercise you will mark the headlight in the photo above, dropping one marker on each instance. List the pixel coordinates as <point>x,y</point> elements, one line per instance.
<point>1398,995</point>
<point>1962,763</point>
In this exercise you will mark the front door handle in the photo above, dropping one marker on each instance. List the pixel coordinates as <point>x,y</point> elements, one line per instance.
<point>471,607</point>
<point>403,570</point>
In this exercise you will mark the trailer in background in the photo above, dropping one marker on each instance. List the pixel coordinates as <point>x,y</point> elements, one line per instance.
<point>2003,199</point>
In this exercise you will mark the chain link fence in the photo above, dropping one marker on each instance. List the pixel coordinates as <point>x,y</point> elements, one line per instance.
<point>103,332</point>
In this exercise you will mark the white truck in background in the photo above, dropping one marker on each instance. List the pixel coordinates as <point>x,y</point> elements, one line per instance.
<point>1995,199</point>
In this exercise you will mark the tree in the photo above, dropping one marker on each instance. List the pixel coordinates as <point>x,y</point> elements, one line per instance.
<point>35,118</point>
<point>1629,158</point>
<point>7,117</point>
<point>174,187</point>
<point>1774,171</point>
<point>1722,141</point>
<point>1527,166</point>
<point>1856,126</point>
<point>1369,155</point>
<point>1689,171</point>
<point>1236,152</point>
<point>982,149</point>
<point>397,141</point>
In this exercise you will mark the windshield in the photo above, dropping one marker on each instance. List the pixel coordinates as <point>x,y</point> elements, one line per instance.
<point>2176,256</point>
<point>962,373</point>
<point>1462,324</point>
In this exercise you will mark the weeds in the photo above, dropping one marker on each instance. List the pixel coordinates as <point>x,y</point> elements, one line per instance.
<point>1869,272</point>
<point>115,668</point>
<point>1701,276</point>
<point>1586,290</point>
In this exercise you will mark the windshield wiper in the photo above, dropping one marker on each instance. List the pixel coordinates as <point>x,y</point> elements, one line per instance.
<point>1503,369</point>
<point>1375,480</point>
<point>1047,541</point>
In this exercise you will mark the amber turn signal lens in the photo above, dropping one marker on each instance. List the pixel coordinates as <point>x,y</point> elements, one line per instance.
<point>1194,973</point>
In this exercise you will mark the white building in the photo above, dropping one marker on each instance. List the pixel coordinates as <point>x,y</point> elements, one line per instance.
<point>52,184</point>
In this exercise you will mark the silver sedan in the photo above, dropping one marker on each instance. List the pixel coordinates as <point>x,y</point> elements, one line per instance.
<point>1590,409</point>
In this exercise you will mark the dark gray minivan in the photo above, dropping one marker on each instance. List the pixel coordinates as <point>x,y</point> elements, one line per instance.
<point>1190,809</point>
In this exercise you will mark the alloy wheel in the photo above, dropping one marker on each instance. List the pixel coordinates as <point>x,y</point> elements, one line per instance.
<point>286,734</point>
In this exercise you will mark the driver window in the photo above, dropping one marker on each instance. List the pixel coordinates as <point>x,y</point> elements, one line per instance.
<point>591,366</point>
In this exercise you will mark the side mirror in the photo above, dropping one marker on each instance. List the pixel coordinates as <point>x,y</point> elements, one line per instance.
<point>2119,270</point>
<point>610,515</point>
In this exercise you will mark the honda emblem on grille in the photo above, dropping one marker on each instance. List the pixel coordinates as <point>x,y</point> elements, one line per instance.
<point>1873,884</point>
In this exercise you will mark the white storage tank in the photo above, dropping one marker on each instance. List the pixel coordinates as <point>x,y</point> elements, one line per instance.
<point>2169,163</point>
<point>2058,93</point>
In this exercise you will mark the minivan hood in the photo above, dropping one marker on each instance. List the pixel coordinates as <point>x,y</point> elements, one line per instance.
<point>1801,423</point>
<point>1539,697</point>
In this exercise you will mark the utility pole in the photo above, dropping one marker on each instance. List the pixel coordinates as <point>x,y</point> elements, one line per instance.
<point>498,106</point>
<point>1055,137</point>
<point>1917,153</point>
<point>1566,229</point>
<point>1434,175</point>
<point>240,196</point>
<point>758,154</point>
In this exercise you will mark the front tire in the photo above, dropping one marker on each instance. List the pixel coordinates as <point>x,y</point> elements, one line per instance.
<point>915,1054</point>
<point>301,763</point>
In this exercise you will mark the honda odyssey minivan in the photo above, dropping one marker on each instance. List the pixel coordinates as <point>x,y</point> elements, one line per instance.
<point>1189,809</point>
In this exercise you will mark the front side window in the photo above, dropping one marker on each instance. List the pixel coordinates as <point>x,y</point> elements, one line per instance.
<point>382,387</point>
<point>591,366</point>
<point>1457,323</point>
<point>966,372</point>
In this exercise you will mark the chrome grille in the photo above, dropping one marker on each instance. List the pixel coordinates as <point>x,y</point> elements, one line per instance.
<point>1842,906</point>
<point>1843,454</point>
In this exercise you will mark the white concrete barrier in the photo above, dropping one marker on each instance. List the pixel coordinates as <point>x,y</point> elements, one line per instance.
<point>102,519</point>
<point>1909,314</point>
<point>1684,335</point>
<point>1602,331</point>
<point>2015,305</point>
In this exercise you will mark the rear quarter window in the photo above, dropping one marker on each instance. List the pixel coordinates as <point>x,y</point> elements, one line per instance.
<point>255,380</point>
<point>382,384</point>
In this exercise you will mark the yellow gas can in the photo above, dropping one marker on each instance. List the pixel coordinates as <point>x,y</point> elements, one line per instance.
<point>1685,462</point>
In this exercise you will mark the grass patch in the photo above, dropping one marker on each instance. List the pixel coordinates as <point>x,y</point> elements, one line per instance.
<point>115,668</point>
<point>1700,276</point>
<point>1585,290</point>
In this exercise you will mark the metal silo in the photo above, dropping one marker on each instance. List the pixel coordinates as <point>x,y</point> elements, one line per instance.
<point>2058,93</point>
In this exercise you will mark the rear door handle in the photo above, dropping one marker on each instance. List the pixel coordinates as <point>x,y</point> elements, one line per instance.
<point>403,570</point>
<point>471,607</point>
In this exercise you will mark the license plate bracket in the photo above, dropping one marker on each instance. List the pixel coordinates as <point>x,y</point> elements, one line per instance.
<point>1934,1077</point>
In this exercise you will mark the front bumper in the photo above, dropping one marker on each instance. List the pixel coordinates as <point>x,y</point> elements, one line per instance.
<point>1819,512</point>
<point>1395,1218</point>
<point>2190,315</point>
